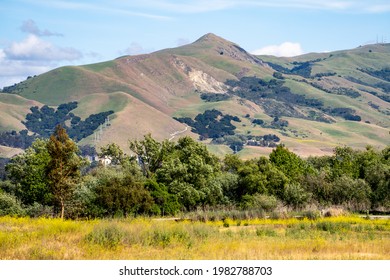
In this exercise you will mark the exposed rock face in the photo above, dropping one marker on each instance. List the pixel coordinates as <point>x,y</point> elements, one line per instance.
<point>201,81</point>
<point>205,83</point>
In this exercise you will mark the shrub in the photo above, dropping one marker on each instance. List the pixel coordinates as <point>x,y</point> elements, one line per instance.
<point>38,210</point>
<point>9,205</point>
<point>312,214</point>
<point>355,194</point>
<point>265,202</point>
<point>109,236</point>
<point>266,232</point>
<point>295,195</point>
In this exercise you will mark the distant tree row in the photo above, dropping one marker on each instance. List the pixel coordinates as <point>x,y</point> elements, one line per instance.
<point>253,88</point>
<point>214,97</point>
<point>42,122</point>
<point>256,90</point>
<point>211,124</point>
<point>15,139</point>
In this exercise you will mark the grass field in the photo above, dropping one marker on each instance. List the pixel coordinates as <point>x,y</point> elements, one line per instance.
<point>324,238</point>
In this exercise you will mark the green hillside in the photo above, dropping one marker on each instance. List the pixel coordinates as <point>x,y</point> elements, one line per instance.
<point>312,102</point>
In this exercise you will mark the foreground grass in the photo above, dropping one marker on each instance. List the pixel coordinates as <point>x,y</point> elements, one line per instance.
<point>326,238</point>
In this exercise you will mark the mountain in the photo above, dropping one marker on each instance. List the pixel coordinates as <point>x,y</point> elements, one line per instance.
<point>214,90</point>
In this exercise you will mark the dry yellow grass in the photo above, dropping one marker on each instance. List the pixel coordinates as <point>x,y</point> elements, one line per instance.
<point>327,238</point>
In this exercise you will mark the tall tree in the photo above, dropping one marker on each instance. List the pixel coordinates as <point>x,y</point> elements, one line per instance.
<point>64,167</point>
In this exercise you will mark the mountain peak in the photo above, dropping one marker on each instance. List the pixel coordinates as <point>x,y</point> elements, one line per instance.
<point>208,37</point>
<point>226,48</point>
<point>212,38</point>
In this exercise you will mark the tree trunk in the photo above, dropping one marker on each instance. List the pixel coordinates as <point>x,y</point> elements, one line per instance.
<point>62,209</point>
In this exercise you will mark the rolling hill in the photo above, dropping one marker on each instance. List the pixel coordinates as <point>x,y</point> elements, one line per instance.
<point>310,103</point>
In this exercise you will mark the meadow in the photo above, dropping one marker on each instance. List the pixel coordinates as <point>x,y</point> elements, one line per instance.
<point>335,238</point>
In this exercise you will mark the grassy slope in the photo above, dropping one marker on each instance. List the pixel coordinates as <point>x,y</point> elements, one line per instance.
<point>132,119</point>
<point>13,110</point>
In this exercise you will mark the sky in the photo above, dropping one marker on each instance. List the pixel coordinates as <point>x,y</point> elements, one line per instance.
<point>39,35</point>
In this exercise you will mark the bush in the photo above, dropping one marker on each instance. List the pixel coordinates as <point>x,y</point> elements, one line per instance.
<point>109,236</point>
<point>264,202</point>
<point>9,205</point>
<point>354,194</point>
<point>38,210</point>
<point>312,214</point>
<point>295,195</point>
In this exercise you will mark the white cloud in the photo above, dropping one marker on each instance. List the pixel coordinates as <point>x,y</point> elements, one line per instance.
<point>14,71</point>
<point>286,49</point>
<point>135,49</point>
<point>33,48</point>
<point>182,42</point>
<point>29,26</point>
<point>32,56</point>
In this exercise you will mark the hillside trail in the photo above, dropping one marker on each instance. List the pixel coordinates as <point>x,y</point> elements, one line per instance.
<point>174,134</point>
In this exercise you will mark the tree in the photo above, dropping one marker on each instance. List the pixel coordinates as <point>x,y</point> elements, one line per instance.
<point>63,169</point>
<point>288,162</point>
<point>150,153</point>
<point>27,172</point>
<point>114,152</point>
<point>121,193</point>
<point>188,171</point>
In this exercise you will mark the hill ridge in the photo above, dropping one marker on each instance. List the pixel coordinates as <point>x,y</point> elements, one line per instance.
<point>325,97</point>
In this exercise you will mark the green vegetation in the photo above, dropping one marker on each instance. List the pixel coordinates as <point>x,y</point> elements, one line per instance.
<point>63,169</point>
<point>165,178</point>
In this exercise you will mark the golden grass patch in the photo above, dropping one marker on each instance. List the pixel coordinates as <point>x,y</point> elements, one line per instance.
<point>142,238</point>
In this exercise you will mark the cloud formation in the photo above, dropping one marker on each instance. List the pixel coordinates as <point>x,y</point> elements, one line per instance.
<point>29,26</point>
<point>33,55</point>
<point>33,48</point>
<point>135,49</point>
<point>286,49</point>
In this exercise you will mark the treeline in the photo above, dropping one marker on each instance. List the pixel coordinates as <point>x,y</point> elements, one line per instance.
<point>211,124</point>
<point>16,139</point>
<point>165,178</point>
<point>41,122</point>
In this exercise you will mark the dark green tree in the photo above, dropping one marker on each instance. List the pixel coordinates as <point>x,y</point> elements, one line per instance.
<point>121,193</point>
<point>289,163</point>
<point>188,171</point>
<point>27,172</point>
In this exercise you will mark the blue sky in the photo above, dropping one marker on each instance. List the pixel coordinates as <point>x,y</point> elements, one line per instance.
<point>39,35</point>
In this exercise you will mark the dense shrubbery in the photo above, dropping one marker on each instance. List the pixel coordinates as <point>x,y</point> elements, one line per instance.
<point>164,178</point>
